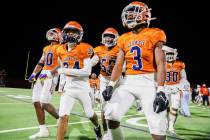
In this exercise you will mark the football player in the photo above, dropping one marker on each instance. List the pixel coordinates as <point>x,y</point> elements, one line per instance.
<point>185,99</point>
<point>175,79</point>
<point>144,79</point>
<point>106,55</point>
<point>77,68</point>
<point>94,85</point>
<point>43,88</point>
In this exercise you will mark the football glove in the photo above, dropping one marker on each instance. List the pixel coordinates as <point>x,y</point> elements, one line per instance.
<point>107,93</point>
<point>32,78</point>
<point>161,102</point>
<point>42,76</point>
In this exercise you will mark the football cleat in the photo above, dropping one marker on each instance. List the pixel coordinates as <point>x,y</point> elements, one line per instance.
<point>40,134</point>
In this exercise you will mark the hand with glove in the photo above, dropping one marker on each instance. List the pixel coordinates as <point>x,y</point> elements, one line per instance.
<point>161,102</point>
<point>42,76</point>
<point>32,78</point>
<point>107,93</point>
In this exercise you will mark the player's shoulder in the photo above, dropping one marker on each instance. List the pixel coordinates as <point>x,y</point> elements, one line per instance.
<point>153,30</point>
<point>55,46</point>
<point>60,47</point>
<point>84,45</point>
<point>125,35</point>
<point>98,48</point>
<point>115,49</point>
<point>179,63</point>
<point>85,49</point>
<point>46,47</point>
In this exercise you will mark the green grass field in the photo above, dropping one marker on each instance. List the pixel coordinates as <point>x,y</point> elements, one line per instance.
<point>18,120</point>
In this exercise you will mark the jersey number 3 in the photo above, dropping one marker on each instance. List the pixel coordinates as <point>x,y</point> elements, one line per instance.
<point>136,51</point>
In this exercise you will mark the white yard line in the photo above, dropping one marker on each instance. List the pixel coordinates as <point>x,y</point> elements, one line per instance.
<point>36,127</point>
<point>12,103</point>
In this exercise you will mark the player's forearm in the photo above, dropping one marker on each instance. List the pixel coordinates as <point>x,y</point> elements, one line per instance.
<point>161,74</point>
<point>160,62</point>
<point>40,64</point>
<point>85,71</point>
<point>38,68</point>
<point>78,72</point>
<point>94,60</point>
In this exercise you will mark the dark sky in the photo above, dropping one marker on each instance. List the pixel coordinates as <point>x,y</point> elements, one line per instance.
<point>24,26</point>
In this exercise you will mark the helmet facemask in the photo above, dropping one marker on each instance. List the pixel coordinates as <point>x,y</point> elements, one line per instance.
<point>53,35</point>
<point>109,40</point>
<point>72,35</point>
<point>134,15</point>
<point>170,57</point>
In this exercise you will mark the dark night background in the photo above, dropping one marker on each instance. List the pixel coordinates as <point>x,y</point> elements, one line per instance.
<point>24,26</point>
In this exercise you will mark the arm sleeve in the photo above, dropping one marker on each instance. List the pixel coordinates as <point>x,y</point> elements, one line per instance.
<point>85,71</point>
<point>94,60</point>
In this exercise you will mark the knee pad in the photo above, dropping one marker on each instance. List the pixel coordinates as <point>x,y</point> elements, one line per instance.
<point>113,124</point>
<point>173,111</point>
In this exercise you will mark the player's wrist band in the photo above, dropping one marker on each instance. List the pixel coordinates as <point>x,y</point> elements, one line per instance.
<point>112,83</point>
<point>41,64</point>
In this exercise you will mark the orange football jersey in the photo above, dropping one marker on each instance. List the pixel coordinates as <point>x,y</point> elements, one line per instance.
<point>62,52</point>
<point>107,58</point>
<point>94,83</point>
<point>173,72</point>
<point>74,59</point>
<point>139,50</point>
<point>51,57</point>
